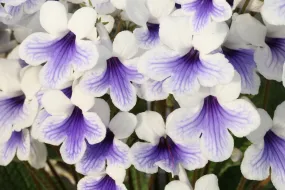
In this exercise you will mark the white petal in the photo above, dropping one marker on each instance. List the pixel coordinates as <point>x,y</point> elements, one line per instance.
<point>150,126</point>
<point>30,83</point>
<point>55,23</point>
<point>236,155</point>
<point>279,120</point>
<point>176,33</point>
<point>82,100</point>
<point>102,108</point>
<point>38,154</point>
<point>9,75</point>
<point>121,48</point>
<point>119,4</point>
<point>117,173</point>
<point>137,11</point>
<point>82,22</point>
<point>56,103</point>
<point>207,182</point>
<point>228,92</point>
<point>23,149</point>
<point>211,38</point>
<point>273,12</point>
<point>123,125</point>
<point>109,20</point>
<point>177,185</point>
<point>160,8</point>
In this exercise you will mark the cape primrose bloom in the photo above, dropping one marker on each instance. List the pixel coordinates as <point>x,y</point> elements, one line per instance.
<point>18,104</point>
<point>71,124</point>
<point>19,143</point>
<point>210,114</point>
<point>119,70</point>
<point>160,150</point>
<point>147,14</point>
<point>111,150</point>
<point>267,150</point>
<point>204,12</point>
<point>189,64</point>
<point>112,179</point>
<point>62,48</point>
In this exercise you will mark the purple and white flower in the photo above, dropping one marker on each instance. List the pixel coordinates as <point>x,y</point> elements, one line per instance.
<point>18,104</point>
<point>62,47</point>
<point>71,123</point>
<point>204,12</point>
<point>18,144</point>
<point>112,178</point>
<point>186,64</point>
<point>147,14</point>
<point>210,114</point>
<point>111,150</point>
<point>273,11</point>
<point>266,154</point>
<point>160,150</point>
<point>118,73</point>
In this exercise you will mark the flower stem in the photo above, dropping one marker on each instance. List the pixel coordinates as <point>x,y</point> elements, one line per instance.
<point>266,94</point>
<point>244,6</point>
<point>56,175</point>
<point>241,183</point>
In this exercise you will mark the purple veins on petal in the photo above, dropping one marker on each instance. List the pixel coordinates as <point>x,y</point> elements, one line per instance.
<point>106,183</point>
<point>153,32</point>
<point>243,62</point>
<point>67,92</point>
<point>277,48</point>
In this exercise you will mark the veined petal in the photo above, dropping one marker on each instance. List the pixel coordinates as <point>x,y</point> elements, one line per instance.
<point>13,3</point>
<point>42,115</point>
<point>98,183</point>
<point>32,6</point>
<point>19,143</point>
<point>55,23</point>
<point>15,13</point>
<point>151,90</point>
<point>273,12</point>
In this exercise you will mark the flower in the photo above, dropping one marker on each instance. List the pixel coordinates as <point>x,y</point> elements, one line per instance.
<point>147,14</point>
<point>18,143</point>
<point>112,178</point>
<point>111,149</point>
<point>119,70</point>
<point>267,150</point>
<point>204,12</point>
<point>273,11</point>
<point>71,122</point>
<point>210,114</point>
<point>62,47</point>
<point>18,104</point>
<point>38,154</point>
<point>187,64</point>
<point>160,150</point>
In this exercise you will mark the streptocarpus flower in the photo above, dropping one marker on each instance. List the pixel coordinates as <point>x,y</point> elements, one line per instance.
<point>160,150</point>
<point>189,64</point>
<point>111,150</point>
<point>62,47</point>
<point>267,151</point>
<point>71,123</point>
<point>19,143</point>
<point>18,104</point>
<point>147,14</point>
<point>112,179</point>
<point>273,11</point>
<point>210,114</point>
<point>204,12</point>
<point>119,70</point>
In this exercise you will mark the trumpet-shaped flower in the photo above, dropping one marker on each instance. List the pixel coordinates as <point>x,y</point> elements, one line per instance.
<point>189,64</point>
<point>71,123</point>
<point>112,179</point>
<point>18,103</point>
<point>273,11</point>
<point>204,12</point>
<point>62,48</point>
<point>210,114</point>
<point>119,70</point>
<point>160,150</point>
<point>111,150</point>
<point>147,14</point>
<point>267,151</point>
<point>19,143</point>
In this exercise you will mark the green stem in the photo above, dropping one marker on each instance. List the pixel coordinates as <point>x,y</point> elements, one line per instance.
<point>241,183</point>
<point>56,175</point>
<point>244,6</point>
<point>266,94</point>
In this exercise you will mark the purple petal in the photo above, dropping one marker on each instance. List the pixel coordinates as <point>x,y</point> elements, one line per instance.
<point>73,131</point>
<point>244,64</point>
<point>111,150</point>
<point>99,183</point>
<point>32,6</point>
<point>148,37</point>
<point>167,155</point>
<point>15,12</point>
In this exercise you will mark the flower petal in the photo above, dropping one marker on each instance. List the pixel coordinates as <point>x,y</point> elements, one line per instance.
<point>273,12</point>
<point>206,182</point>
<point>147,37</point>
<point>30,83</point>
<point>102,109</point>
<point>59,15</point>
<point>278,120</point>
<point>77,26</point>
<point>160,8</point>
<point>151,90</point>
<point>137,11</point>
<point>177,185</point>
<point>98,183</point>
<point>9,75</point>
<point>123,125</point>
<point>84,101</point>
<point>42,115</point>
<point>38,154</point>
<point>122,49</point>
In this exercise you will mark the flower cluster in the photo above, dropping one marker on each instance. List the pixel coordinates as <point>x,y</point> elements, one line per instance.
<point>73,81</point>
